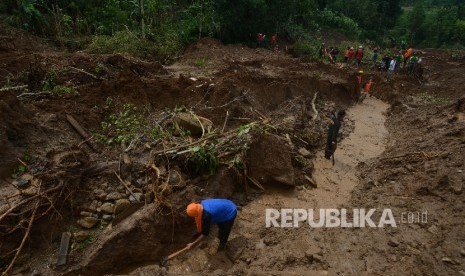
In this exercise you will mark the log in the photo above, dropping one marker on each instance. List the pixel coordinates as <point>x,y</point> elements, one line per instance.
<point>80,130</point>
<point>64,247</point>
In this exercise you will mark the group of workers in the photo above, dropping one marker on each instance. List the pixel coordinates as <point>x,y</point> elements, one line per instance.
<point>408,59</point>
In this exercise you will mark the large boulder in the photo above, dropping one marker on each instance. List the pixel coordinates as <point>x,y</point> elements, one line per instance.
<point>270,160</point>
<point>193,123</point>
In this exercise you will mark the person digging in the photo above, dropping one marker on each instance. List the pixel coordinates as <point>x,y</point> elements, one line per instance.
<point>221,212</point>
<point>333,132</point>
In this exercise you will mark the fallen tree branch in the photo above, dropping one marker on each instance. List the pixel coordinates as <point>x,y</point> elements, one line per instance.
<point>256,183</point>
<point>315,115</point>
<point>33,94</point>
<point>85,72</point>
<point>23,241</point>
<point>186,145</point>
<point>80,130</point>
<point>19,87</point>
<point>225,121</point>
<point>30,199</point>
<point>126,186</point>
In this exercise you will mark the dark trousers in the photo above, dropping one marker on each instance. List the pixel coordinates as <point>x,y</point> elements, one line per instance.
<point>224,229</point>
<point>329,150</point>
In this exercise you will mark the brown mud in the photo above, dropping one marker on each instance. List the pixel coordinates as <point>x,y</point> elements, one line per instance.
<point>402,150</point>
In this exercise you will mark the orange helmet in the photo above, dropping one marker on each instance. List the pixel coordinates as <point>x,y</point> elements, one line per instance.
<point>194,210</point>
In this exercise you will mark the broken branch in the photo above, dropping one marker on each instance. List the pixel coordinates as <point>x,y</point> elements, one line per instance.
<point>19,87</point>
<point>315,115</point>
<point>23,241</point>
<point>126,186</point>
<point>85,72</point>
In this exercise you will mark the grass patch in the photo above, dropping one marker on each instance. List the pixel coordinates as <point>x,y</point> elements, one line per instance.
<point>428,98</point>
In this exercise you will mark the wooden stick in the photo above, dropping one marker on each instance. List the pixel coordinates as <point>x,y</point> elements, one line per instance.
<point>225,121</point>
<point>19,87</point>
<point>186,145</point>
<point>80,130</point>
<point>84,72</point>
<point>23,241</point>
<point>126,186</point>
<point>256,183</point>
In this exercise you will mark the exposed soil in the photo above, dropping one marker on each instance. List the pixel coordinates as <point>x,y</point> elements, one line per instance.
<point>402,149</point>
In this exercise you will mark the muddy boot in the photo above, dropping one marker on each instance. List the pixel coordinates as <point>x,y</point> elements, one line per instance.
<point>221,247</point>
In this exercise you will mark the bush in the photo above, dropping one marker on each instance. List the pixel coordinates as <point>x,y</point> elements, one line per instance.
<point>122,42</point>
<point>339,22</point>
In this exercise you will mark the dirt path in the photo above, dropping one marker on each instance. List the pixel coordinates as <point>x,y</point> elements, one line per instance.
<point>335,185</point>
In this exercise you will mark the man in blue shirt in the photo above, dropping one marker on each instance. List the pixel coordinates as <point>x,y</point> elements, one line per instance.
<point>213,211</point>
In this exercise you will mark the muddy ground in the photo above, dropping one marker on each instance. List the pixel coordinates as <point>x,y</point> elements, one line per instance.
<point>402,149</point>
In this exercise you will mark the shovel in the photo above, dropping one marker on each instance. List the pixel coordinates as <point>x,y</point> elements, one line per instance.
<point>165,259</point>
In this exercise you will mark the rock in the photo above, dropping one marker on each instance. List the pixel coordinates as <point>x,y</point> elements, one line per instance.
<point>222,184</point>
<point>137,190</point>
<point>189,122</point>
<point>393,242</point>
<point>461,272</point>
<point>270,161</point>
<point>248,261</point>
<point>93,206</point>
<point>100,194</point>
<point>317,258</point>
<point>121,190</point>
<point>114,196</point>
<point>35,272</point>
<point>314,249</point>
<point>457,187</point>
<point>462,252</point>
<point>108,207</point>
<point>448,260</point>
<point>139,197</point>
<point>175,179</point>
<point>107,217</point>
<point>140,182</point>
<point>121,205</point>
<point>459,171</point>
<point>80,236</point>
<point>304,152</point>
<point>86,214</point>
<point>87,222</point>
<point>433,229</point>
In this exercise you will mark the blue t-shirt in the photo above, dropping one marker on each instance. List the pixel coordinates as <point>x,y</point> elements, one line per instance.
<point>221,210</point>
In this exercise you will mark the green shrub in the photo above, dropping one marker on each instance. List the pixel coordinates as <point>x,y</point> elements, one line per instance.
<point>122,42</point>
<point>204,159</point>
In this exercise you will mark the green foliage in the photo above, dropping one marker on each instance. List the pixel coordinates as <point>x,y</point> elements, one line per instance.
<point>244,129</point>
<point>340,22</point>
<point>61,91</point>
<point>125,124</point>
<point>49,82</point>
<point>122,42</point>
<point>122,126</point>
<point>307,48</point>
<point>433,99</point>
<point>200,63</point>
<point>100,67</point>
<point>432,24</point>
<point>204,159</point>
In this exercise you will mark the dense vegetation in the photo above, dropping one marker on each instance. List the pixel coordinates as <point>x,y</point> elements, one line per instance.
<point>163,27</point>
